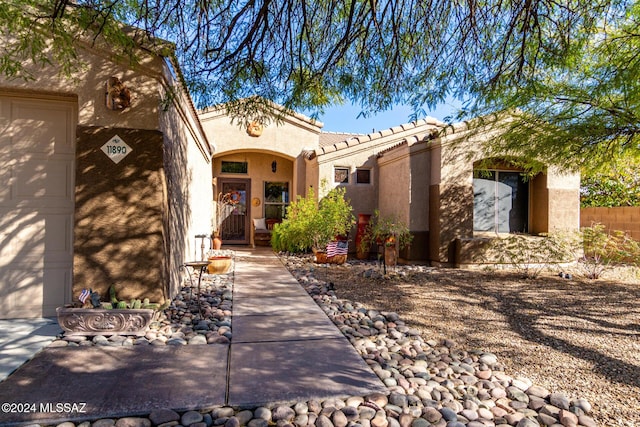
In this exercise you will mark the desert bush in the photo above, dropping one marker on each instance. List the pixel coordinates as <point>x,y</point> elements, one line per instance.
<point>311,224</point>
<point>602,250</point>
<point>531,255</point>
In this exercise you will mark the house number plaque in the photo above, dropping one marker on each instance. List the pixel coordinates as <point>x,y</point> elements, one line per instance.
<point>116,149</point>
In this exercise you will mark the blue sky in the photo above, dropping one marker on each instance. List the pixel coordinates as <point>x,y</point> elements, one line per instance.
<point>343,118</point>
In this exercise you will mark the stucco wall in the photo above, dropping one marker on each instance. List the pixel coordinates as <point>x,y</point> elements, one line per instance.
<point>287,137</point>
<point>187,161</point>
<point>118,216</point>
<point>405,173</point>
<point>259,167</point>
<point>553,197</point>
<point>154,215</point>
<point>89,84</point>
<point>363,197</point>
<point>392,191</point>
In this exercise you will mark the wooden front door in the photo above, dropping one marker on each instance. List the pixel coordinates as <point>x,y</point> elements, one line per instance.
<point>235,228</point>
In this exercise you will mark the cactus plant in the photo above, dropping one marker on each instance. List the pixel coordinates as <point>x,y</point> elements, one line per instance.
<point>134,303</point>
<point>112,294</point>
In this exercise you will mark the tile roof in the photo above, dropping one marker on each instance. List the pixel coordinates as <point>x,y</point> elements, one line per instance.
<point>330,138</point>
<point>330,142</point>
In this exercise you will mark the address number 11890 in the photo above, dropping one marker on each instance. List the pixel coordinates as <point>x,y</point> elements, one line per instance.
<point>116,149</point>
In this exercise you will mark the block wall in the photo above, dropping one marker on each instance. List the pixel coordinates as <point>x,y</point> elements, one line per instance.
<point>625,218</point>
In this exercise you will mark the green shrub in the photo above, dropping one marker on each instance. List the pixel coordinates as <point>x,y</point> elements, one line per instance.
<point>311,224</point>
<point>381,228</point>
<point>531,255</point>
<point>603,250</point>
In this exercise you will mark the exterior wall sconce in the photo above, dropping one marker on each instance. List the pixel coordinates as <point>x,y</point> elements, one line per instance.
<point>274,166</point>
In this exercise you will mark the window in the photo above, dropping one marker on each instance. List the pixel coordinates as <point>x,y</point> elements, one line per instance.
<point>276,199</point>
<point>363,176</point>
<point>234,167</point>
<point>341,175</point>
<point>500,201</point>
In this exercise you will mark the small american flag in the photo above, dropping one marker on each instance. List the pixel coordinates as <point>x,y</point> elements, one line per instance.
<point>337,248</point>
<point>84,295</point>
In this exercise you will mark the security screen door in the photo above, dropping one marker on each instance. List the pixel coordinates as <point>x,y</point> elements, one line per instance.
<point>235,229</point>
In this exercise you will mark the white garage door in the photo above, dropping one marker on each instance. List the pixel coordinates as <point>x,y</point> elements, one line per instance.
<point>37,150</point>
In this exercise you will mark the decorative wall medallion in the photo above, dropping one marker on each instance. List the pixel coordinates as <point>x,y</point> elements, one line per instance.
<point>255,129</point>
<point>96,321</point>
<point>118,95</point>
<point>255,202</point>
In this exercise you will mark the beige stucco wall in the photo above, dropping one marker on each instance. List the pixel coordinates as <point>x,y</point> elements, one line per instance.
<point>553,198</point>
<point>285,139</point>
<point>391,189</point>
<point>405,176</point>
<point>182,181</point>
<point>89,85</point>
<point>259,172</point>
<point>564,199</point>
<point>188,179</point>
<point>288,137</point>
<point>363,197</point>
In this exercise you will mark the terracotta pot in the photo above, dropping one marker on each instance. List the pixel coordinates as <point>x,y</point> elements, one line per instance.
<point>217,243</point>
<point>391,250</point>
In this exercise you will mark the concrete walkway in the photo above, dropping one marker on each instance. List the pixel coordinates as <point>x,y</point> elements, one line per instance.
<point>284,349</point>
<point>20,339</point>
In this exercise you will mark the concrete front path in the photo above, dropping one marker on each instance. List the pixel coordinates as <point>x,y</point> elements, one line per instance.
<point>284,349</point>
<point>20,339</point>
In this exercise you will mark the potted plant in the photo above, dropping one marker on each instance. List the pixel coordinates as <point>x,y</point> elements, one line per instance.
<point>91,316</point>
<point>310,224</point>
<point>331,223</point>
<point>225,204</point>
<point>389,232</point>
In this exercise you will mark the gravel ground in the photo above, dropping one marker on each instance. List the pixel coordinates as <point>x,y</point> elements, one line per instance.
<point>579,337</point>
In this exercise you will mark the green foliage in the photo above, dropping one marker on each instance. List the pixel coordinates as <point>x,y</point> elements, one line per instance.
<point>381,228</point>
<point>310,224</point>
<point>581,109</point>
<point>592,250</point>
<point>567,72</point>
<point>603,250</point>
<point>42,33</point>
<point>112,294</point>
<point>530,255</point>
<point>617,185</point>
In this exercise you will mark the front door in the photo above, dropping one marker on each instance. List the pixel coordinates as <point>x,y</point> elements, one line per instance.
<point>235,228</point>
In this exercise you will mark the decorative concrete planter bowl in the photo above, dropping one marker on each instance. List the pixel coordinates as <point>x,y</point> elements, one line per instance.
<point>102,321</point>
<point>219,264</point>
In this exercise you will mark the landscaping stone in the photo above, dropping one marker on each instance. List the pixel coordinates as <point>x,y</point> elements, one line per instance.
<point>431,383</point>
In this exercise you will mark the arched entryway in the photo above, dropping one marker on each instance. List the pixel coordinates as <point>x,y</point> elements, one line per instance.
<point>264,183</point>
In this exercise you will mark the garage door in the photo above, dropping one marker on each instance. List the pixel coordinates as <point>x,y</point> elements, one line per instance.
<point>37,150</point>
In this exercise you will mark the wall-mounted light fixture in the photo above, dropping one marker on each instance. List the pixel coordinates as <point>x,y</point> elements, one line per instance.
<point>274,166</point>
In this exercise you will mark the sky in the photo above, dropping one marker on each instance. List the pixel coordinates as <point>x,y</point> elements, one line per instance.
<point>344,118</point>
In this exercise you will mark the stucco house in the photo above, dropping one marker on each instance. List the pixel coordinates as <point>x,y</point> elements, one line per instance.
<point>109,175</point>
<point>430,175</point>
<point>105,180</point>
